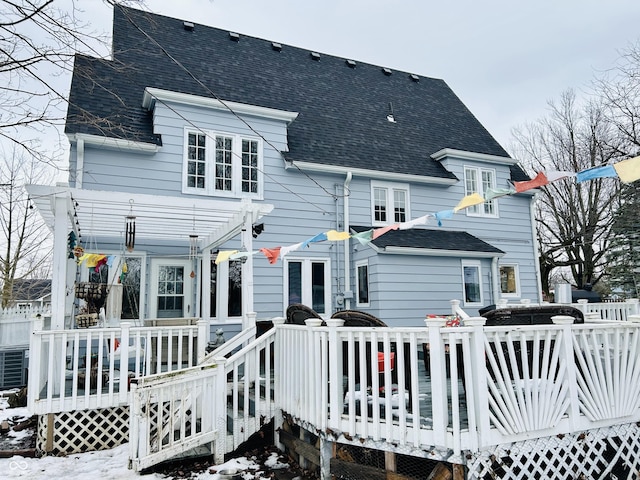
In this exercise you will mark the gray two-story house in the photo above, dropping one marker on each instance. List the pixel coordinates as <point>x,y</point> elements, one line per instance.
<point>208,141</point>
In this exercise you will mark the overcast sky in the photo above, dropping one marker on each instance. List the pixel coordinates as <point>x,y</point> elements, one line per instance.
<point>504,58</point>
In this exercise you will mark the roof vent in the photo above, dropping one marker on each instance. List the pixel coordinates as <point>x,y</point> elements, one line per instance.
<point>387,71</point>
<point>414,77</point>
<point>315,55</point>
<point>351,63</point>
<point>188,26</point>
<point>234,36</point>
<point>276,46</point>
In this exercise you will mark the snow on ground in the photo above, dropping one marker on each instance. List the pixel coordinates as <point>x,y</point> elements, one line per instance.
<point>106,465</point>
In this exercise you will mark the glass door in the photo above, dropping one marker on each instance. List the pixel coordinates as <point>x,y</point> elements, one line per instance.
<point>171,289</point>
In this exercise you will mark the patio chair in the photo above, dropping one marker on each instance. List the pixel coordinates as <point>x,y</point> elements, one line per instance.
<point>297,313</point>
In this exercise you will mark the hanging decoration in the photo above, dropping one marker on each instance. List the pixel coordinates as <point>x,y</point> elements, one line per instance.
<point>130,229</point>
<point>193,251</point>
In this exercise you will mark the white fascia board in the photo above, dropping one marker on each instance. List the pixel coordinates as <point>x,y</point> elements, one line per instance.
<point>479,157</point>
<point>373,174</point>
<point>151,95</point>
<point>115,143</point>
<point>433,252</point>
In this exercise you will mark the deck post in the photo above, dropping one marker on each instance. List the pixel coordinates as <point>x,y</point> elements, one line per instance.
<point>335,374</point>
<point>220,411</point>
<point>565,322</point>
<point>326,452</point>
<point>203,338</point>
<point>123,350</point>
<point>635,306</point>
<point>34,381</point>
<point>438,376</point>
<point>278,417</point>
<point>479,392</point>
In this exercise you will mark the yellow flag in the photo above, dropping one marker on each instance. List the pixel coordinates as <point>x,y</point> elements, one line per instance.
<point>334,235</point>
<point>469,201</point>
<point>628,170</point>
<point>224,255</point>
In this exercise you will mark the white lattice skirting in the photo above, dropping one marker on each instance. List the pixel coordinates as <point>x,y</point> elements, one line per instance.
<point>82,431</point>
<point>604,453</point>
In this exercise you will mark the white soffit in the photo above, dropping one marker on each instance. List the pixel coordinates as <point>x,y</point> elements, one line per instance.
<point>103,213</point>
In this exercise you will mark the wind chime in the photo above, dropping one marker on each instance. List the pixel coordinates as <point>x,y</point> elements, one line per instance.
<point>130,229</point>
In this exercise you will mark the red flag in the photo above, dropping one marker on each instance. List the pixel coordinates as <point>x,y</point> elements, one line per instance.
<point>271,254</point>
<point>540,180</point>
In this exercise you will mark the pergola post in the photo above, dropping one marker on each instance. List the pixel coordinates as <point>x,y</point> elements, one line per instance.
<point>60,261</point>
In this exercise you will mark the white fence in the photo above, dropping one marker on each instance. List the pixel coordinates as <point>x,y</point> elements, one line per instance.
<point>16,325</point>
<point>92,367</point>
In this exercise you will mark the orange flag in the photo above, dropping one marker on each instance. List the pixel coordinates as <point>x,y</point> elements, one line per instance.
<point>381,231</point>
<point>271,254</point>
<point>540,180</point>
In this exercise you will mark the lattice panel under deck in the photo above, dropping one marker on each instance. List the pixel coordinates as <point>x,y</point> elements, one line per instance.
<point>82,431</point>
<point>605,453</point>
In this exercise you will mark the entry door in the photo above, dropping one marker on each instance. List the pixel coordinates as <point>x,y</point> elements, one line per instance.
<point>171,289</point>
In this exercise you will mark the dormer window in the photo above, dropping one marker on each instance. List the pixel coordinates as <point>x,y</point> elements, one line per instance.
<point>221,164</point>
<point>389,203</point>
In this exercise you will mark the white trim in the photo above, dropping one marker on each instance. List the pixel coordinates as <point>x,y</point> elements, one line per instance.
<point>434,252</point>
<point>516,269</point>
<point>111,143</point>
<point>478,265</point>
<point>370,174</point>
<point>464,155</point>
<point>152,94</point>
<point>362,263</point>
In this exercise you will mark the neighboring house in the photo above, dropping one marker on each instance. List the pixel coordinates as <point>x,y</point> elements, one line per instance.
<point>31,293</point>
<point>187,123</point>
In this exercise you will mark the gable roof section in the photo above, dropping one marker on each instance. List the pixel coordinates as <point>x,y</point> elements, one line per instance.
<point>30,289</point>
<point>342,110</point>
<point>434,242</point>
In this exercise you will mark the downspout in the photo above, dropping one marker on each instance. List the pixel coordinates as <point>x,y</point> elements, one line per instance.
<point>79,161</point>
<point>495,280</point>
<point>536,252</point>
<point>347,248</point>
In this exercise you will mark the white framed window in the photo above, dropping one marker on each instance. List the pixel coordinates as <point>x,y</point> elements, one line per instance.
<point>479,180</point>
<point>222,164</point>
<point>362,283</point>
<point>171,287</point>
<point>226,291</point>
<point>308,281</point>
<point>472,282</point>
<point>389,203</point>
<point>509,280</point>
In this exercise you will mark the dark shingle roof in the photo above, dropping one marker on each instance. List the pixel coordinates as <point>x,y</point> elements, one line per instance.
<point>30,289</point>
<point>432,240</point>
<point>342,110</point>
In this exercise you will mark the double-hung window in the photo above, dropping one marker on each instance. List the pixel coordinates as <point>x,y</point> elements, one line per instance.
<point>479,180</point>
<point>222,164</point>
<point>389,203</point>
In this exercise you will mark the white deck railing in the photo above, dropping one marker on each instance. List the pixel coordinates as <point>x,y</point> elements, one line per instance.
<point>219,405</point>
<point>92,368</point>
<point>480,386</point>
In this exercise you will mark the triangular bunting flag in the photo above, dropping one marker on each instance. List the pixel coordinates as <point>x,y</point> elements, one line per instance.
<point>363,237</point>
<point>539,181</point>
<point>423,220</point>
<point>381,231</point>
<point>318,238</point>
<point>290,248</point>
<point>628,170</point>
<point>469,201</point>
<point>333,235</point>
<point>491,193</point>
<point>271,254</point>
<point>442,215</point>
<point>605,171</point>
<point>224,255</point>
<point>555,175</point>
